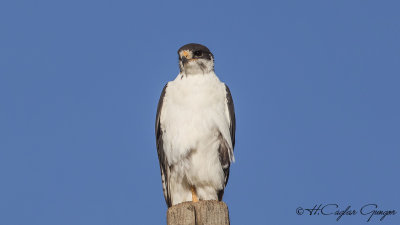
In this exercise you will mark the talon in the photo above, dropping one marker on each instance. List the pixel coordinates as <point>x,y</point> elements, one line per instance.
<point>194,196</point>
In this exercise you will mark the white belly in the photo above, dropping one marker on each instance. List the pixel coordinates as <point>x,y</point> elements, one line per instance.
<point>193,116</point>
<point>193,113</point>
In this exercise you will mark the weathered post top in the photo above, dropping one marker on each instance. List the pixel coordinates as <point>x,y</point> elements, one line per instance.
<point>198,213</point>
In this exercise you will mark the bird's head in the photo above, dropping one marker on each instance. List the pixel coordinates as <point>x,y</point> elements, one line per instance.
<point>195,59</point>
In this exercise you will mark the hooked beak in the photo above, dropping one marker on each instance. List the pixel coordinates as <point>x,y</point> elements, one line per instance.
<point>185,53</point>
<point>184,60</point>
<point>185,57</point>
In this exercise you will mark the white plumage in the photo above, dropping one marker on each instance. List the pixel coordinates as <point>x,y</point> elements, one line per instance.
<point>195,127</point>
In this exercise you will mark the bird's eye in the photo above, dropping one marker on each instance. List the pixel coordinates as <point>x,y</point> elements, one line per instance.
<point>198,53</point>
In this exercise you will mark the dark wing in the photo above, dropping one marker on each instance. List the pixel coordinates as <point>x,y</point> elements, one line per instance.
<point>160,151</point>
<point>224,148</point>
<point>231,108</point>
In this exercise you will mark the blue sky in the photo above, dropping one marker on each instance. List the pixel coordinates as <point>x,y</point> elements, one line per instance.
<point>315,85</point>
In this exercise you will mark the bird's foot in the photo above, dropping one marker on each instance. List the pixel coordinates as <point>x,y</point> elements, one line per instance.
<point>194,196</point>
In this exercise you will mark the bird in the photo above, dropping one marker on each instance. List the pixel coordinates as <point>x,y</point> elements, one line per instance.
<point>195,130</point>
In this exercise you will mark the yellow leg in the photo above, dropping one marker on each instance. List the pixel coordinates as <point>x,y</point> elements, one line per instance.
<point>194,196</point>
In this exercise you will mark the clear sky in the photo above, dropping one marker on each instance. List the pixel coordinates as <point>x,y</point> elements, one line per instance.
<point>315,86</point>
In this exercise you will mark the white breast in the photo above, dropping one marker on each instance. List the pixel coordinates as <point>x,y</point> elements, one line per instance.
<point>193,113</point>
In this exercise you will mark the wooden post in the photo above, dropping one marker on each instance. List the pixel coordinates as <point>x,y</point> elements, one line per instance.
<point>199,213</point>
